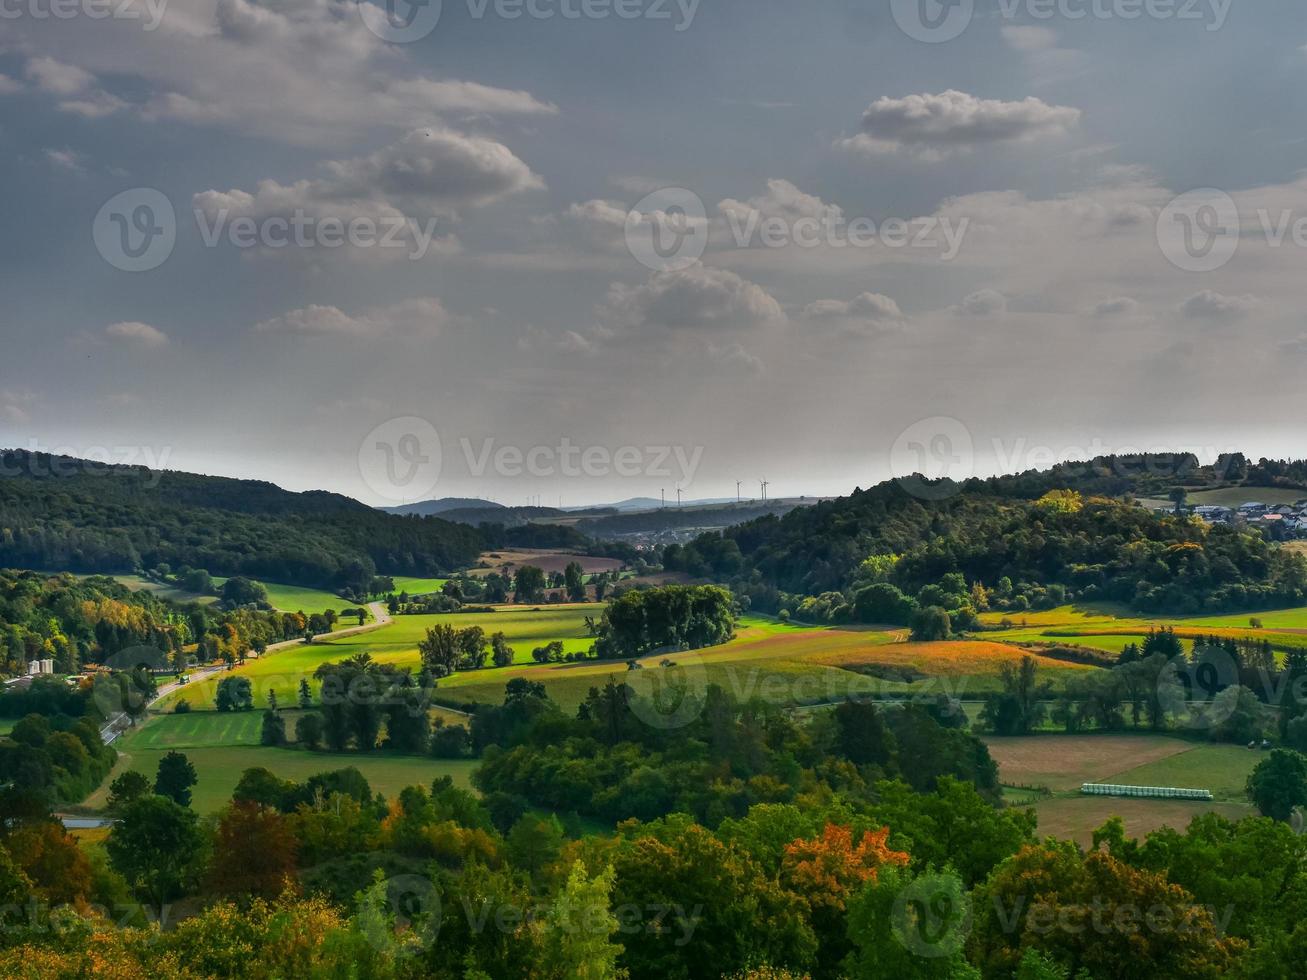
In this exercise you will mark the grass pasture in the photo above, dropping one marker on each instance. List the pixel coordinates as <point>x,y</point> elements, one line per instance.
<point>1061,763</point>
<point>397,643</point>
<point>219,769</point>
<point>418,586</point>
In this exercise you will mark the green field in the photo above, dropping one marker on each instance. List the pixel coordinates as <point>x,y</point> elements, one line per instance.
<point>287,598</point>
<point>1061,763</point>
<point>293,598</point>
<point>783,663</point>
<point>1110,627</point>
<point>397,642</point>
<point>1234,496</point>
<point>222,746</point>
<point>219,769</point>
<point>418,586</point>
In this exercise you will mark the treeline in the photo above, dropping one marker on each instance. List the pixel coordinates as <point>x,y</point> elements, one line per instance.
<point>77,621</point>
<point>624,756</point>
<point>71,514</point>
<point>854,844</point>
<point>1022,553</point>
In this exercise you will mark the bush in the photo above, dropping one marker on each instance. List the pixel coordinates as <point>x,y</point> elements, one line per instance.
<point>308,731</point>
<point>930,624</point>
<point>183,707</point>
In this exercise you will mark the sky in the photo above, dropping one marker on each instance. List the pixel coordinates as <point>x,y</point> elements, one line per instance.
<point>583,250</point>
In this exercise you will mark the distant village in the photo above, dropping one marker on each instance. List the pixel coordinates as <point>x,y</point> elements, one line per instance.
<point>1277,521</point>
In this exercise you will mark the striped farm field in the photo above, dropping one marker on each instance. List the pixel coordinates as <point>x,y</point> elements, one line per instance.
<point>397,643</point>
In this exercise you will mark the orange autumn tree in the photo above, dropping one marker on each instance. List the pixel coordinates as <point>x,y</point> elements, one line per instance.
<point>826,873</point>
<point>829,868</point>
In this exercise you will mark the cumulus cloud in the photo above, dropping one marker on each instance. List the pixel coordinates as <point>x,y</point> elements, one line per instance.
<point>136,333</point>
<point>782,199</point>
<point>68,160</point>
<point>1211,305</point>
<point>698,296</point>
<point>865,313</point>
<point>303,72</point>
<point>76,87</point>
<point>934,125</point>
<point>429,174</point>
<point>416,317</point>
<point>1117,306</point>
<point>983,302</point>
<point>8,86</point>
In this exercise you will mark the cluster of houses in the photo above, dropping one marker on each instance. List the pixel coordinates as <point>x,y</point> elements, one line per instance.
<point>1290,519</point>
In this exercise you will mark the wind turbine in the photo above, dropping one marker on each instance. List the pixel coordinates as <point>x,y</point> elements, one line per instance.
<point>678,498</point>
<point>738,484</point>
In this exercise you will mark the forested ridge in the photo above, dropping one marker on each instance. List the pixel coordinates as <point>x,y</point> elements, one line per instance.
<point>68,514</point>
<point>1071,527</point>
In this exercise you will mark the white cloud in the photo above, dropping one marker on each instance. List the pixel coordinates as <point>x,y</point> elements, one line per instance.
<point>695,297</point>
<point>135,332</point>
<point>305,72</point>
<point>8,86</point>
<point>76,85</point>
<point>68,160</point>
<point>416,317</point>
<point>1117,306</point>
<point>865,313</point>
<point>983,302</point>
<point>429,170</point>
<point>1211,305</point>
<point>933,125</point>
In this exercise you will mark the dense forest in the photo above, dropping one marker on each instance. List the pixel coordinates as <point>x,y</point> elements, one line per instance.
<point>859,843</point>
<point>1031,539</point>
<point>75,515</point>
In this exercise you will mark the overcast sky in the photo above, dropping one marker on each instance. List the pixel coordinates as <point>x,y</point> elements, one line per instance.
<point>954,243</point>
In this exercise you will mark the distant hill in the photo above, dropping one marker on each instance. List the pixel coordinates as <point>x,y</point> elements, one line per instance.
<point>653,503</point>
<point>1022,544</point>
<point>432,508</point>
<point>75,515</point>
